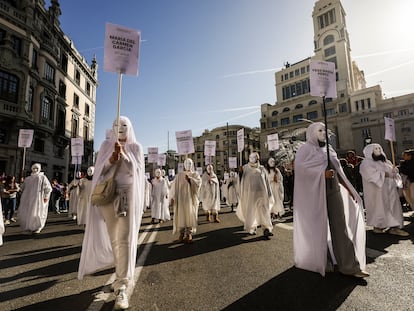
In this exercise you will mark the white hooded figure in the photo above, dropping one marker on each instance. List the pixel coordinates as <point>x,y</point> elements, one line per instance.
<point>256,197</point>
<point>85,191</point>
<point>380,180</point>
<point>276,183</point>
<point>111,233</point>
<point>230,190</point>
<point>159,198</point>
<point>327,210</point>
<point>74,196</point>
<point>34,201</point>
<point>184,198</point>
<point>210,193</point>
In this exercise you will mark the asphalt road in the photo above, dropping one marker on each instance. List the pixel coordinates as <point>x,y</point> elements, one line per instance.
<point>224,269</point>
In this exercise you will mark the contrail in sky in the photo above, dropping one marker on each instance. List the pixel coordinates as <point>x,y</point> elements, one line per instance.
<point>383,53</point>
<point>390,68</point>
<point>231,75</point>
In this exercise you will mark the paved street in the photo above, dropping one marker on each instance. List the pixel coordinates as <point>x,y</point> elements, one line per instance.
<point>224,269</point>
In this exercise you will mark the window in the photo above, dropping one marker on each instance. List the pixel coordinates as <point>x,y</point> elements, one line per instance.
<point>326,19</point>
<point>312,102</point>
<point>285,121</point>
<point>298,106</point>
<point>369,103</point>
<point>77,77</point>
<point>330,51</point>
<point>49,73</point>
<point>64,62</point>
<point>62,89</point>
<point>47,106</point>
<point>402,113</point>
<point>302,70</point>
<point>88,88</point>
<point>291,74</point>
<point>86,132</point>
<point>343,108</point>
<point>75,125</point>
<point>61,120</point>
<point>286,76</point>
<point>34,59</point>
<point>388,114</point>
<point>296,72</point>
<point>263,125</point>
<point>274,123</point>
<point>2,36</point>
<point>297,118</point>
<point>75,100</point>
<point>39,145</point>
<point>333,60</point>
<point>8,87</point>
<point>86,110</point>
<point>312,115</point>
<point>275,113</point>
<point>356,105</point>
<point>16,44</point>
<point>406,130</point>
<point>330,112</point>
<point>286,109</point>
<point>328,39</point>
<point>31,99</point>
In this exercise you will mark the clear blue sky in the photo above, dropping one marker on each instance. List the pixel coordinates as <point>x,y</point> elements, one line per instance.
<point>208,62</point>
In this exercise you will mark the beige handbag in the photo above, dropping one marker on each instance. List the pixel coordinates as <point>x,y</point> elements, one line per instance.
<point>105,191</point>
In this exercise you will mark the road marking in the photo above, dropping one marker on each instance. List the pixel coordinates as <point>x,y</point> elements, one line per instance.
<point>102,297</point>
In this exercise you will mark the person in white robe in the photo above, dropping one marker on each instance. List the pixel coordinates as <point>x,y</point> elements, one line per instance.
<point>230,191</point>
<point>256,197</point>
<point>184,199</point>
<point>85,191</point>
<point>74,196</point>
<point>34,201</point>
<point>159,199</point>
<point>275,177</point>
<point>111,232</point>
<point>147,193</point>
<point>328,215</point>
<point>210,193</point>
<point>380,179</point>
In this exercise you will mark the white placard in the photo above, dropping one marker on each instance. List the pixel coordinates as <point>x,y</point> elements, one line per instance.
<point>147,175</point>
<point>240,140</point>
<point>185,143</point>
<point>76,160</point>
<point>232,162</point>
<point>162,159</point>
<point>121,49</point>
<point>273,142</point>
<point>180,167</point>
<point>210,148</point>
<point>226,176</point>
<point>152,154</point>
<point>322,79</point>
<point>199,170</point>
<point>389,129</point>
<point>25,138</point>
<point>171,172</point>
<point>76,146</point>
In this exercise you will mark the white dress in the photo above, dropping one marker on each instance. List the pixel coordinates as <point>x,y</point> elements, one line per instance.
<point>278,191</point>
<point>32,209</point>
<point>159,199</point>
<point>210,192</point>
<point>85,189</point>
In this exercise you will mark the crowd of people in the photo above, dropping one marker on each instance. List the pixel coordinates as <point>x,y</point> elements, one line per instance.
<point>338,197</point>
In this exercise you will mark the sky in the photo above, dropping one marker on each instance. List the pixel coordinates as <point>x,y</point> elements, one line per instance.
<point>206,63</point>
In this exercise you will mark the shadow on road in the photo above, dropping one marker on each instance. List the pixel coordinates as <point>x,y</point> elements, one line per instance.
<point>297,289</point>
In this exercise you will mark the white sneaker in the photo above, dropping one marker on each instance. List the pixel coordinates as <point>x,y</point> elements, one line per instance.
<point>7,222</point>
<point>121,300</point>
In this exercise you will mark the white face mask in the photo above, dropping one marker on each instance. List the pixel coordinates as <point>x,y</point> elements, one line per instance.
<point>122,129</point>
<point>188,164</point>
<point>90,170</point>
<point>377,150</point>
<point>231,174</point>
<point>209,169</point>
<point>157,173</point>
<point>35,169</point>
<point>253,158</point>
<point>162,173</point>
<point>321,134</point>
<point>271,162</point>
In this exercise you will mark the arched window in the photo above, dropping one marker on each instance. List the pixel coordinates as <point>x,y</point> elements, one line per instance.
<point>286,109</point>
<point>328,39</point>
<point>298,106</point>
<point>312,102</point>
<point>275,113</point>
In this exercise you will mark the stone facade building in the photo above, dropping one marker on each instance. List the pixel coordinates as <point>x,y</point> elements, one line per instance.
<point>45,85</point>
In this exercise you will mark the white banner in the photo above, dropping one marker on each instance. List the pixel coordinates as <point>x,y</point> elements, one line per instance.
<point>25,138</point>
<point>185,143</point>
<point>273,142</point>
<point>162,159</point>
<point>240,140</point>
<point>152,154</point>
<point>121,49</point>
<point>389,129</point>
<point>322,79</point>
<point>210,148</point>
<point>76,160</point>
<point>232,162</point>
<point>76,146</point>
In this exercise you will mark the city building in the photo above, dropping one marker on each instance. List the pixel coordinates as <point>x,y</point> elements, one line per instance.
<point>45,85</point>
<point>356,115</point>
